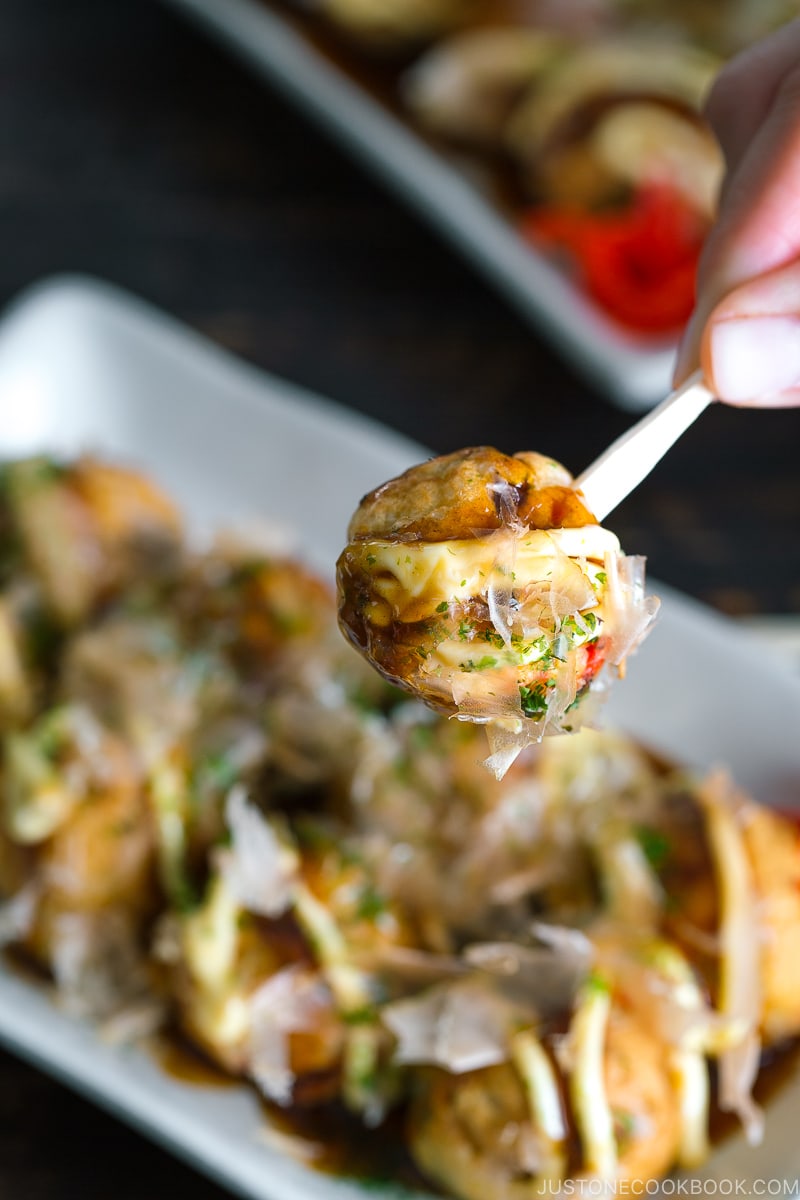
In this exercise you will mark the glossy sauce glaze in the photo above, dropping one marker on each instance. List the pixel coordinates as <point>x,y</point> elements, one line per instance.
<point>336,1140</point>
<point>339,1145</point>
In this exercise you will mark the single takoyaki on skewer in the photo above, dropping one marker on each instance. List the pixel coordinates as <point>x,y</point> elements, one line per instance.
<point>482,583</point>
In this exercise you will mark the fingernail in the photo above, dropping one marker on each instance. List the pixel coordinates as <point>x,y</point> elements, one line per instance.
<point>754,357</point>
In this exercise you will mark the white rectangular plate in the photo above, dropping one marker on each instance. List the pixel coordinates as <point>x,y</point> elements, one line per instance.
<point>84,367</point>
<point>634,372</point>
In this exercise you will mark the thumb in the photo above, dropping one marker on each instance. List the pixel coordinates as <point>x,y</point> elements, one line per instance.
<point>750,344</point>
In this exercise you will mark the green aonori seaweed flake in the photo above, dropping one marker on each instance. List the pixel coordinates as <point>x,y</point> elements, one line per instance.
<point>482,664</point>
<point>655,846</point>
<point>533,700</point>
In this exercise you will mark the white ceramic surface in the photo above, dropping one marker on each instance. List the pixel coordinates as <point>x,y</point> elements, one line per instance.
<point>84,367</point>
<point>634,373</point>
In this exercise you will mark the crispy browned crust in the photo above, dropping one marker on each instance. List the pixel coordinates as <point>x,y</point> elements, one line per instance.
<point>395,650</point>
<point>457,496</point>
<point>467,494</point>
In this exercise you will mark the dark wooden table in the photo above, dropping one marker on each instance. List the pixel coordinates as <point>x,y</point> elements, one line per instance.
<point>132,149</point>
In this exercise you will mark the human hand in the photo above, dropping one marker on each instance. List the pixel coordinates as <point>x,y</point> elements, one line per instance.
<point>745,330</point>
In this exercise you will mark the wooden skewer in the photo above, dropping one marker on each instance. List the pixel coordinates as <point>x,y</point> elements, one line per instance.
<point>629,459</point>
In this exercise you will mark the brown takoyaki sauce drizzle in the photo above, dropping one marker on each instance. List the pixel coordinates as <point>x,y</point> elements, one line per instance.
<point>343,1148</point>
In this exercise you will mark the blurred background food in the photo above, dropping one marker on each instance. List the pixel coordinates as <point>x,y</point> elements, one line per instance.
<point>217,822</point>
<point>394,25</point>
<point>581,122</point>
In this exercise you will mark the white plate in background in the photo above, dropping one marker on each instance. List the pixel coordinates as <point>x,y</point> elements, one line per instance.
<point>84,367</point>
<point>634,372</point>
<point>779,634</point>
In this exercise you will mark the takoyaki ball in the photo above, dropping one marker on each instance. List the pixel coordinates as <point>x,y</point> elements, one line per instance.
<point>773,846</point>
<point>465,87</point>
<point>101,859</point>
<point>481,583</point>
<point>687,869</point>
<point>471,1134</point>
<point>88,529</point>
<point>616,114</point>
<point>642,1099</point>
<point>248,995</point>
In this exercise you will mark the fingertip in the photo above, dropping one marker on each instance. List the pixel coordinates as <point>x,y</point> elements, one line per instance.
<point>753,360</point>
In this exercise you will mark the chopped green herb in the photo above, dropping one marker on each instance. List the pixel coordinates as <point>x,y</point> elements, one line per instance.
<point>359,1016</point>
<point>483,664</point>
<point>371,560</point>
<point>371,903</point>
<point>217,771</point>
<point>534,700</point>
<point>52,734</point>
<point>596,984</point>
<point>184,895</point>
<point>601,577</point>
<point>34,472</point>
<point>443,607</point>
<point>655,844</point>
